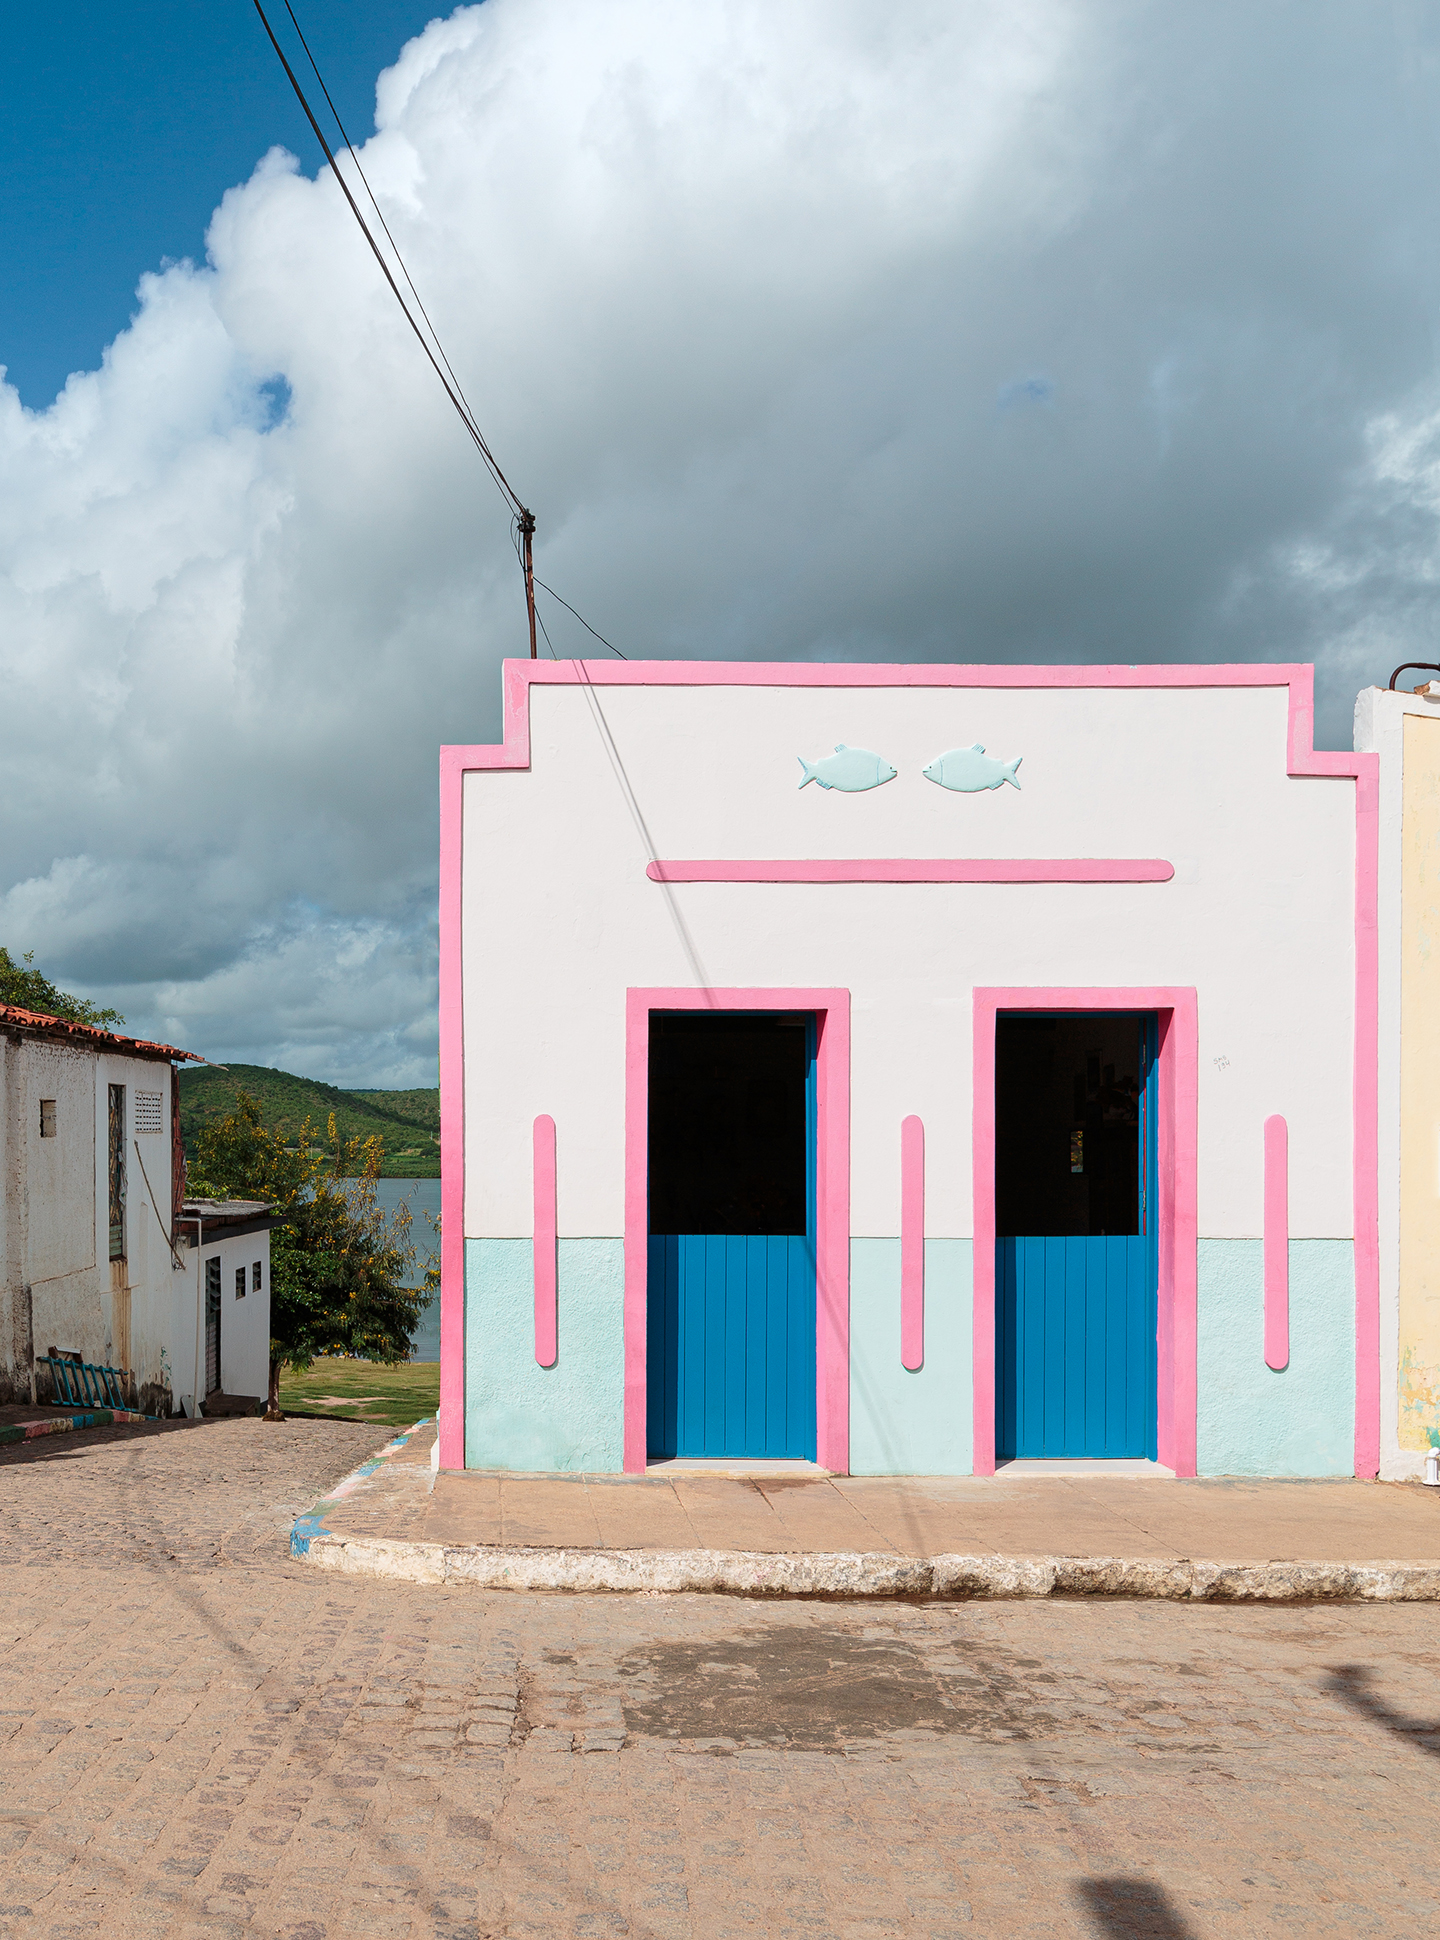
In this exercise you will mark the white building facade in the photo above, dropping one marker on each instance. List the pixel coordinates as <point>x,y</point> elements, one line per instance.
<point>909,1069</point>
<point>94,1254</point>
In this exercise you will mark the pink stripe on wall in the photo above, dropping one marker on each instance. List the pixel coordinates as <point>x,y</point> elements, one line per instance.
<point>453,764</point>
<point>831,1009</point>
<point>1277,1242</point>
<point>918,869</point>
<point>912,1244</point>
<point>545,1240</point>
<point>1367,1116</point>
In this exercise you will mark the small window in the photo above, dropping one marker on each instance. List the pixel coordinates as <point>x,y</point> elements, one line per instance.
<point>255,1279</point>
<point>47,1118</point>
<point>239,1283</point>
<point>149,1112</point>
<point>212,1277</point>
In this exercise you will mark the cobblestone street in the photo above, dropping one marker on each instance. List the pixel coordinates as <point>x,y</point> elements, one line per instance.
<point>205,1737</point>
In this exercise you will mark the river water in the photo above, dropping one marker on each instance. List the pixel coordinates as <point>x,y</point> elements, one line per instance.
<point>423,1196</point>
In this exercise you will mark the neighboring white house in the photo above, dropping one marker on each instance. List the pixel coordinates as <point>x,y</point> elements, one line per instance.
<point>99,1259</point>
<point>226,1245</point>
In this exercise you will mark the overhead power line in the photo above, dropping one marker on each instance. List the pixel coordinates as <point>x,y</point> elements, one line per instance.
<point>524,516</point>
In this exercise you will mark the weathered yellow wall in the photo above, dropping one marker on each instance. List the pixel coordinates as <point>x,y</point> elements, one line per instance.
<point>1420,1085</point>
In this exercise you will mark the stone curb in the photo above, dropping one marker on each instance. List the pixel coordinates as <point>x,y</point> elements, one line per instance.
<point>835,1574</point>
<point>29,1431</point>
<point>854,1574</point>
<point>306,1529</point>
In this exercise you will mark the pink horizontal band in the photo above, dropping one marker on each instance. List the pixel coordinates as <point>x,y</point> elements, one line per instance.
<point>922,869</point>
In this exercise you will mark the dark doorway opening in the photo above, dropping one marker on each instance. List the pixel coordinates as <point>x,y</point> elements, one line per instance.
<point>1067,1124</point>
<point>1076,1253</point>
<point>212,1324</point>
<point>728,1124</point>
<point>731,1272</point>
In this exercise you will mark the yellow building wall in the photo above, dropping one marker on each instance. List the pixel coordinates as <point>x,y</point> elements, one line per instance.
<point>1420,1085</point>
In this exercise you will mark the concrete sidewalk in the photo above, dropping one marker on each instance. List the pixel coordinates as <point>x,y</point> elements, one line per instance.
<point>809,1534</point>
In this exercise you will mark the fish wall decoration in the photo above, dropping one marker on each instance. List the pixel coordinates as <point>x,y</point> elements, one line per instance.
<point>968,770</point>
<point>851,770</point>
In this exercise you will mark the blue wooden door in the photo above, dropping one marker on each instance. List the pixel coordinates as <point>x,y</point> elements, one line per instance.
<point>731,1307</point>
<point>1076,1295</point>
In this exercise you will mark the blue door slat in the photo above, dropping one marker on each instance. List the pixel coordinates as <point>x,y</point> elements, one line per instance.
<point>1075,1331</point>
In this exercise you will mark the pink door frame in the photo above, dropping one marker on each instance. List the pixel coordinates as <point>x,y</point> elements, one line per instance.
<point>831,1009</point>
<point>1177,1119</point>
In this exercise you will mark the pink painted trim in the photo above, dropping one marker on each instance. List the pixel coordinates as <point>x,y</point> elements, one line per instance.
<point>1277,1242</point>
<point>1302,758</point>
<point>912,1244</point>
<point>1367,1117</point>
<point>911,869</point>
<point>1177,1121</point>
<point>545,1241</point>
<point>832,1202</point>
<point>453,764</point>
<point>520,676</point>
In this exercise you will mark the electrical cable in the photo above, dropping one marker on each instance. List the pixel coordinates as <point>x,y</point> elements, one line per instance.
<point>522,522</point>
<point>501,481</point>
<point>380,215</point>
<point>580,617</point>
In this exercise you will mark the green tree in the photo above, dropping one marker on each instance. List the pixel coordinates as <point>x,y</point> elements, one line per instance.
<point>337,1262</point>
<point>27,988</point>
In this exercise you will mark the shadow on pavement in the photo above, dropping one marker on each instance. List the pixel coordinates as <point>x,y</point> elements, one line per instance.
<point>1349,1683</point>
<point>1132,1909</point>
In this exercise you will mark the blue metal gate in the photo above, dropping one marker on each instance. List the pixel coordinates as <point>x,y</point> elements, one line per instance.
<point>730,1344</point>
<point>1076,1310</point>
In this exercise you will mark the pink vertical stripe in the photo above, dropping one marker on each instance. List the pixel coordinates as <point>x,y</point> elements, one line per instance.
<point>912,1243</point>
<point>1277,1242</point>
<point>1367,1116</point>
<point>453,763</point>
<point>545,1241</point>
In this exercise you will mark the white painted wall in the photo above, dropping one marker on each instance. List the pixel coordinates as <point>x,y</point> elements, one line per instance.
<point>54,1231</point>
<point>559,919</point>
<point>244,1319</point>
<point>1379,728</point>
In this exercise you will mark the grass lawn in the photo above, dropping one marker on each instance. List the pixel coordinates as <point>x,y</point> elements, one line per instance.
<point>347,1390</point>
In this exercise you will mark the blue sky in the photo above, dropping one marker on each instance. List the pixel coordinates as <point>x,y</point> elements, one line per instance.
<point>122,127</point>
<point>1012,330</point>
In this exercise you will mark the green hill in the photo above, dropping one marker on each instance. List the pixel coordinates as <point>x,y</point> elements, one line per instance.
<point>408,1121</point>
<point>415,1107</point>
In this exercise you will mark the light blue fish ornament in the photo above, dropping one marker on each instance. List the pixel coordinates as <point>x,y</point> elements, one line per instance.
<point>851,770</point>
<point>970,769</point>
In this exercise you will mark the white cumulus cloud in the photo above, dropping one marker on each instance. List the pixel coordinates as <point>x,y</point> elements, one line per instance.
<point>1016,331</point>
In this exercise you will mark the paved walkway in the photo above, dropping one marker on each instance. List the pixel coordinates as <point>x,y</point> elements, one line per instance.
<point>403,1518</point>
<point>202,1739</point>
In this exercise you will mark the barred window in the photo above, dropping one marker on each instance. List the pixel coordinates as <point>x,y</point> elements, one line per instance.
<point>149,1112</point>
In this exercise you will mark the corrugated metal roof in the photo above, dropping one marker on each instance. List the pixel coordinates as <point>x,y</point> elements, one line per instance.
<point>12,1017</point>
